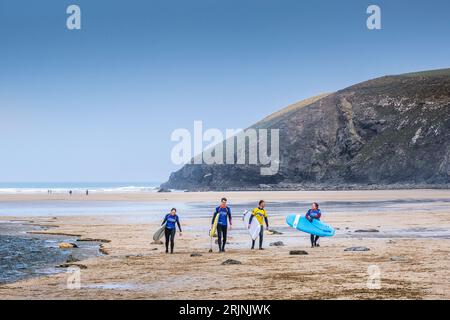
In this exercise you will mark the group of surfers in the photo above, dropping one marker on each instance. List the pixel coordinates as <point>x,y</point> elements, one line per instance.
<point>225,222</point>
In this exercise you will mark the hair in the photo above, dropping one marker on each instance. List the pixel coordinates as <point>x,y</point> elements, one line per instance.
<point>173,209</point>
<point>317,205</point>
<point>223,199</point>
<point>260,201</point>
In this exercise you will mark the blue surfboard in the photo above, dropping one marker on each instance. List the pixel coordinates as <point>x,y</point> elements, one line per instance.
<point>315,227</point>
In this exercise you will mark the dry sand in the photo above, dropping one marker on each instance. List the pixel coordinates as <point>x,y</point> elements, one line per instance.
<point>410,267</point>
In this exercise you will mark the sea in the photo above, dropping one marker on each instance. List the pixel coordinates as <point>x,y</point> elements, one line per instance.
<point>24,255</point>
<point>76,187</point>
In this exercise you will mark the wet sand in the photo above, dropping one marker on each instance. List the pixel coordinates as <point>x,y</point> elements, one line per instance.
<point>239,196</point>
<point>411,251</point>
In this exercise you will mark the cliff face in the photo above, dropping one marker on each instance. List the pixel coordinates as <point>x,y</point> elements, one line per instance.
<point>390,130</point>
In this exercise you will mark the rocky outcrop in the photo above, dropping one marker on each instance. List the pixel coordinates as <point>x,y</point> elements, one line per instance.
<point>196,254</point>
<point>357,249</point>
<point>66,245</point>
<point>390,132</point>
<point>277,244</point>
<point>367,231</point>
<point>230,262</point>
<point>94,240</point>
<point>298,252</point>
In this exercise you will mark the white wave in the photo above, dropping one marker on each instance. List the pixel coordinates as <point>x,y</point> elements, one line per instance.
<point>124,189</point>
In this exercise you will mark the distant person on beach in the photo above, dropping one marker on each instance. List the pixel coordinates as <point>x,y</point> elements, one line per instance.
<point>171,220</point>
<point>70,192</point>
<point>87,192</point>
<point>224,213</point>
<point>259,214</point>
<point>311,214</point>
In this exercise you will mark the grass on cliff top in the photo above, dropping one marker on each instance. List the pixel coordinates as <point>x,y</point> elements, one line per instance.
<point>428,73</point>
<point>291,108</point>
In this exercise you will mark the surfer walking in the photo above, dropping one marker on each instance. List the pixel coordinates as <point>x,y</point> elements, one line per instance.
<point>171,220</point>
<point>224,213</point>
<point>311,214</point>
<point>259,214</point>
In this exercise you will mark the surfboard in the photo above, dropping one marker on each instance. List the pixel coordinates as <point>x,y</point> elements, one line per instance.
<point>316,227</point>
<point>213,230</point>
<point>159,233</point>
<point>255,227</point>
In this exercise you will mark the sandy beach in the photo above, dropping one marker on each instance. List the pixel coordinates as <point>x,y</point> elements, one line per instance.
<point>238,196</point>
<point>408,256</point>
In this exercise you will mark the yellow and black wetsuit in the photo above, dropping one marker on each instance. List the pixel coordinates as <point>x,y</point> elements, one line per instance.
<point>261,216</point>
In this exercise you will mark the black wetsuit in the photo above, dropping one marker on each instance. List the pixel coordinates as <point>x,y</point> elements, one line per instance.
<point>170,230</point>
<point>314,240</point>
<point>222,225</point>
<point>311,215</point>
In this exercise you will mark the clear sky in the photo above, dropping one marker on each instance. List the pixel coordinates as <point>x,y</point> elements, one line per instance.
<point>100,103</point>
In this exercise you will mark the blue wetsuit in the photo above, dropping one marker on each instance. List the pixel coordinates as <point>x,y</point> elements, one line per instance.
<point>313,214</point>
<point>171,222</point>
<point>222,225</point>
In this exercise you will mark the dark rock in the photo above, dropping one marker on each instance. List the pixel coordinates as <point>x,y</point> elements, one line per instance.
<point>196,254</point>
<point>357,249</point>
<point>164,190</point>
<point>231,261</point>
<point>381,133</point>
<point>94,240</point>
<point>298,252</point>
<point>55,233</point>
<point>157,242</point>
<point>103,250</point>
<point>66,245</point>
<point>277,244</point>
<point>396,258</point>
<point>68,265</point>
<point>71,259</point>
<point>274,232</point>
<point>367,230</point>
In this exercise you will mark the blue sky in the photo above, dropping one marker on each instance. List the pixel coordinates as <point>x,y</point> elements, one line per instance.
<point>100,103</point>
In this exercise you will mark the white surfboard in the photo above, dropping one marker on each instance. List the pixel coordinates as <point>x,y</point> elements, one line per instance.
<point>255,227</point>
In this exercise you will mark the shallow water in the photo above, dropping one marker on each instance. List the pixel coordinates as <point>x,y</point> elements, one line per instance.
<point>151,211</point>
<point>24,255</point>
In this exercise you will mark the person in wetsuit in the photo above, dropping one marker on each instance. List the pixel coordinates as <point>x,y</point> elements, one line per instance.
<point>171,220</point>
<point>311,214</point>
<point>224,213</point>
<point>261,215</point>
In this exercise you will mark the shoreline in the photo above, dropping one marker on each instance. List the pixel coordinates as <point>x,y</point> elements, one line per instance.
<point>404,247</point>
<point>30,250</point>
<point>238,196</point>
